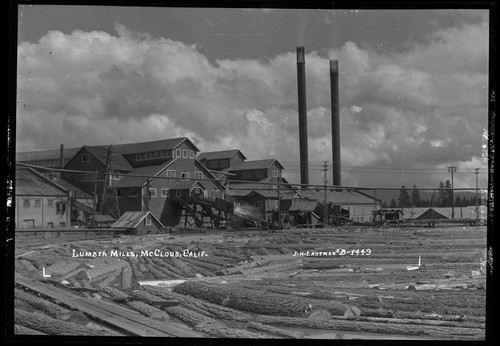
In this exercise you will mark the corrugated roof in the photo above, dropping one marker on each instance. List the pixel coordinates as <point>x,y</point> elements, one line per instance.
<point>339,197</point>
<point>132,219</point>
<point>29,184</point>
<point>466,212</point>
<point>118,162</point>
<point>163,144</point>
<point>129,180</point>
<point>217,155</point>
<point>103,218</point>
<point>303,205</point>
<point>52,154</point>
<point>255,164</point>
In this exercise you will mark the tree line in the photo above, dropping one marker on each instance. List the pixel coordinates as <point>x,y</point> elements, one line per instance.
<point>442,197</point>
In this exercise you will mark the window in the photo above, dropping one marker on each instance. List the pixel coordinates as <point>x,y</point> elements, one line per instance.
<point>185,176</point>
<point>118,193</point>
<point>50,203</point>
<point>85,157</point>
<point>152,191</point>
<point>275,173</point>
<point>178,193</point>
<point>185,153</point>
<point>276,204</point>
<point>259,174</point>
<point>246,174</point>
<point>137,157</point>
<point>38,203</point>
<point>148,220</point>
<point>258,204</point>
<point>26,203</point>
<point>169,153</point>
<point>214,164</point>
<point>177,153</point>
<point>165,192</point>
<point>164,153</point>
<point>132,192</point>
<point>170,173</point>
<point>191,154</point>
<point>198,175</point>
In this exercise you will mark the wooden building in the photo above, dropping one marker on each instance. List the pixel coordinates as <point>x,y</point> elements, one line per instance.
<point>39,203</point>
<point>138,222</point>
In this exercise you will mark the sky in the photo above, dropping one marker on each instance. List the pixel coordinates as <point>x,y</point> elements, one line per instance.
<point>413,85</point>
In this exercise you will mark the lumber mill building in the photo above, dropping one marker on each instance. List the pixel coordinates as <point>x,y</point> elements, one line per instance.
<point>171,180</point>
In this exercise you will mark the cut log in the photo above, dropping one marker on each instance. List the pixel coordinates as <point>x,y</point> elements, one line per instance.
<point>51,309</point>
<point>148,310</point>
<point>254,301</point>
<point>276,331</point>
<point>374,327</point>
<point>52,326</point>
<point>126,278</point>
<point>204,307</point>
<point>22,330</point>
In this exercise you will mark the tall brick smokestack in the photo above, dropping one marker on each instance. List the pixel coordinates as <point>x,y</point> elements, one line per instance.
<point>61,156</point>
<point>334,94</point>
<point>301,86</point>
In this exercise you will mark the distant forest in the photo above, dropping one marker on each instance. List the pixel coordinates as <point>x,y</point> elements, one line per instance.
<point>442,197</point>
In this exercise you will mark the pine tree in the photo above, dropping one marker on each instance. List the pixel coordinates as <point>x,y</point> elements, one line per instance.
<point>415,197</point>
<point>442,195</point>
<point>404,200</point>
<point>393,204</point>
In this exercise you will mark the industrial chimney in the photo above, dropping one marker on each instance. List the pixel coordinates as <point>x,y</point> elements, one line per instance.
<point>301,86</point>
<point>334,94</point>
<point>61,156</point>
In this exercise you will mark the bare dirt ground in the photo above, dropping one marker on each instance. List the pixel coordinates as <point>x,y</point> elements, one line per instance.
<point>337,283</point>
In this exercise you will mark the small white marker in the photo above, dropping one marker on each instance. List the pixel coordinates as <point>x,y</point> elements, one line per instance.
<point>419,261</point>
<point>45,275</point>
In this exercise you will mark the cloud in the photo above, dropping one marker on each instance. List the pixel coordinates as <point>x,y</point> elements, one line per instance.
<point>412,108</point>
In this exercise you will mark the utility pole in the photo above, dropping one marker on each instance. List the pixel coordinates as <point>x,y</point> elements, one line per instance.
<point>452,169</point>
<point>477,190</point>
<point>325,170</point>
<point>280,223</point>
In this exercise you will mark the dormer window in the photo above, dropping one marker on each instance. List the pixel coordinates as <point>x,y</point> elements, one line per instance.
<point>178,153</point>
<point>191,154</point>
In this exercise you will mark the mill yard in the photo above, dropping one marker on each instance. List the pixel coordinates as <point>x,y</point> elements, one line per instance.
<point>351,282</point>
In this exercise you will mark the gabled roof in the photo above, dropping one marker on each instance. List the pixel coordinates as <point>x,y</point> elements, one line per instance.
<point>132,219</point>
<point>255,164</point>
<point>139,176</point>
<point>163,144</point>
<point>118,162</point>
<point>217,155</point>
<point>185,185</point>
<point>53,154</point>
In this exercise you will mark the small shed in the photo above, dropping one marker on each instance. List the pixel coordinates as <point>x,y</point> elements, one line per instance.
<point>103,220</point>
<point>138,222</point>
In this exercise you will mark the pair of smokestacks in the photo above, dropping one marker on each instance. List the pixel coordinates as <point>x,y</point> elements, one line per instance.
<point>302,105</point>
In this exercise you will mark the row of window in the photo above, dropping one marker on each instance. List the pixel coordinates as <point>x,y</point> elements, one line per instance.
<point>100,177</point>
<point>37,203</point>
<point>164,192</point>
<point>184,175</point>
<point>168,154</point>
<point>258,204</point>
<point>158,154</point>
<point>260,174</point>
<point>44,163</point>
<point>222,163</point>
